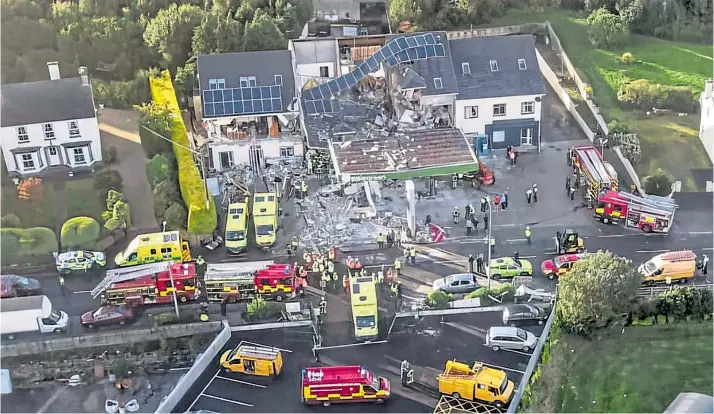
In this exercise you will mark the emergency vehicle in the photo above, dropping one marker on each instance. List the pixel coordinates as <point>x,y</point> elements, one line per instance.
<point>345,384</point>
<point>595,174</point>
<point>246,280</point>
<point>265,218</point>
<point>650,213</point>
<point>79,260</point>
<point>154,247</point>
<point>560,265</point>
<point>236,237</point>
<point>670,267</point>
<point>148,284</point>
<point>365,312</point>
<point>476,383</point>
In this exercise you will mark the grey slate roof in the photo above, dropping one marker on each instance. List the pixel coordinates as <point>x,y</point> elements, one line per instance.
<point>434,67</point>
<point>45,101</point>
<point>263,65</point>
<point>409,79</point>
<point>509,80</point>
<point>352,118</point>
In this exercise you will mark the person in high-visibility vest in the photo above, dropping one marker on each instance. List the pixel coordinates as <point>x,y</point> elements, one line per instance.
<point>303,189</point>
<point>397,266</point>
<point>294,244</point>
<point>528,234</point>
<point>321,267</point>
<point>315,266</point>
<point>330,267</point>
<point>200,261</point>
<point>380,275</point>
<point>323,306</point>
<point>324,280</point>
<point>412,254</point>
<point>61,283</point>
<point>331,254</point>
<point>307,258</point>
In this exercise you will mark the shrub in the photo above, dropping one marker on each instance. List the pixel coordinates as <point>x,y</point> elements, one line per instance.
<point>260,310</point>
<point>615,127</point>
<point>156,118</point>
<point>438,300</point>
<point>109,155</point>
<point>165,193</point>
<point>34,245</point>
<point>604,28</point>
<point>201,219</point>
<point>10,220</point>
<point>175,216</point>
<point>627,58</point>
<point>106,180</point>
<point>644,95</point>
<point>165,318</point>
<point>158,169</point>
<point>79,233</point>
<point>118,214</point>
<point>122,94</point>
<point>659,183</point>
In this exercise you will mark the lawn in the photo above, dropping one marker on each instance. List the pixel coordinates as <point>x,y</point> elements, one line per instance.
<point>640,370</point>
<point>670,142</point>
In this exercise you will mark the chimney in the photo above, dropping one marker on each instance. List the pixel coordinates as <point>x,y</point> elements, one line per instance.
<point>84,75</point>
<point>54,70</point>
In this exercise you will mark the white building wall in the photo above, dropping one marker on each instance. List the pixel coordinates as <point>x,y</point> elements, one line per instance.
<point>485,112</point>
<point>706,122</point>
<point>313,69</point>
<point>241,150</point>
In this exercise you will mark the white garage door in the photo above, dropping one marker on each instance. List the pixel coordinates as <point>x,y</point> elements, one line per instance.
<point>498,136</point>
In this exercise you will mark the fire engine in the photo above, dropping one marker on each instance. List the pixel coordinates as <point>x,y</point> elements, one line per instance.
<point>595,174</point>
<point>650,213</point>
<point>247,280</point>
<point>345,384</point>
<point>148,284</point>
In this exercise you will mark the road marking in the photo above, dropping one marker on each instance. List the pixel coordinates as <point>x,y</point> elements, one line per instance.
<point>516,352</point>
<point>239,381</point>
<point>322,348</point>
<point>466,329</point>
<point>528,257</point>
<point>505,225</point>
<point>265,346</point>
<point>204,389</point>
<point>227,400</point>
<point>83,291</point>
<point>613,235</point>
<point>507,369</point>
<point>700,232</point>
<point>708,248</point>
<point>652,251</point>
<point>516,240</point>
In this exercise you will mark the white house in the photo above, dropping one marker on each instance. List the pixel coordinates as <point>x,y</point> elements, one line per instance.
<point>248,107</point>
<point>706,122</point>
<point>314,61</point>
<point>50,125</point>
<point>500,89</point>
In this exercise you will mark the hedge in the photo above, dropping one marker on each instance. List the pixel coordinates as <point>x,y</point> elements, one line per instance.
<point>201,220</point>
<point>79,233</point>
<point>27,246</point>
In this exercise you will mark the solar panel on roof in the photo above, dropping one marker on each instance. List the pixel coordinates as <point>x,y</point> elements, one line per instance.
<point>241,101</point>
<point>440,52</point>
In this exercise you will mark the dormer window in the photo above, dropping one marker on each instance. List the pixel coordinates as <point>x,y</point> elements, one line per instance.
<point>216,84</point>
<point>494,65</point>
<point>465,68</point>
<point>522,64</point>
<point>437,83</point>
<point>248,82</point>
<point>279,80</point>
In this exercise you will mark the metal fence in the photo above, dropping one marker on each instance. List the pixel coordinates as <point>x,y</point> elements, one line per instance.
<point>651,291</point>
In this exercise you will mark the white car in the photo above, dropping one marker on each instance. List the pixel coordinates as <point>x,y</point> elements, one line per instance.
<point>509,337</point>
<point>79,261</point>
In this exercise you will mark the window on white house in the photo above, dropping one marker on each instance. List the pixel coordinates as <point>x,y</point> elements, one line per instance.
<point>471,112</point>
<point>437,83</point>
<point>49,131</point>
<point>73,129</point>
<point>28,163</point>
<point>78,154</point>
<point>324,71</point>
<point>499,110</point>
<point>226,158</point>
<point>22,134</point>
<point>216,84</point>
<point>279,80</point>
<point>527,108</point>
<point>53,151</point>
<point>287,151</point>
<point>522,64</point>
<point>494,65</point>
<point>465,68</point>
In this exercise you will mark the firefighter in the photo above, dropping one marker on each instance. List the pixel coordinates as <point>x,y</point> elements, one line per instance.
<point>200,261</point>
<point>528,234</point>
<point>346,283</point>
<point>358,265</point>
<point>307,258</point>
<point>397,266</point>
<point>323,307</point>
<point>471,263</point>
<point>535,192</point>
<point>469,227</point>
<point>203,312</point>
<point>380,275</point>
<point>330,267</point>
<point>324,280</point>
<point>315,266</point>
<point>455,214</point>
<point>331,254</point>
<point>454,181</point>
<point>412,255</point>
<point>294,244</point>
<point>380,241</point>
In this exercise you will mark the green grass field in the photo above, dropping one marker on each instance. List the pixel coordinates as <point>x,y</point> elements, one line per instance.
<point>642,370</point>
<point>670,142</point>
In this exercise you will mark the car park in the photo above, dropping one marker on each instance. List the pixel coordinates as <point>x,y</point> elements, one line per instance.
<point>560,265</point>
<point>107,315</point>
<point>507,267</point>
<point>510,338</point>
<point>12,286</point>
<point>524,315</point>
<point>456,283</point>
<point>79,261</point>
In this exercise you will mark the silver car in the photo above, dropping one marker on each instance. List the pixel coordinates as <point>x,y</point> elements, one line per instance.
<point>509,337</point>
<point>456,283</point>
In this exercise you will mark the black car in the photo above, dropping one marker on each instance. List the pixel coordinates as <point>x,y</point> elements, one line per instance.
<point>524,315</point>
<point>12,286</point>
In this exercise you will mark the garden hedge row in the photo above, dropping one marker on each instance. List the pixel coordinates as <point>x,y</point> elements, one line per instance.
<point>201,220</point>
<point>27,246</point>
<point>79,233</point>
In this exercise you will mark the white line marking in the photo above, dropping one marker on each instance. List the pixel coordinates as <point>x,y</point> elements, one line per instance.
<point>652,251</point>
<point>528,257</point>
<point>265,346</point>
<point>516,240</point>
<point>700,232</point>
<point>83,291</point>
<point>708,248</point>
<point>516,352</point>
<point>239,381</point>
<point>179,369</point>
<point>613,235</point>
<point>505,225</point>
<point>204,389</point>
<point>322,348</point>
<point>507,369</point>
<point>227,400</point>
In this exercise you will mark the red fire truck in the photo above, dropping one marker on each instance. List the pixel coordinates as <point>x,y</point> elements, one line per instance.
<point>346,384</point>
<point>247,280</point>
<point>148,284</point>
<point>650,213</point>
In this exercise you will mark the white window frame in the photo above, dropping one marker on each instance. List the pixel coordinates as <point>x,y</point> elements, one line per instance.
<point>279,80</point>
<point>49,131</point>
<point>498,112</point>
<point>327,69</point>
<point>231,161</point>
<point>214,84</point>
<point>248,82</point>
<point>79,157</point>
<point>522,64</point>
<point>494,65</point>
<point>22,135</point>
<point>25,161</point>
<point>73,129</point>
<point>50,149</point>
<point>465,68</point>
<point>438,83</point>
<point>287,151</point>
<point>525,110</point>
<point>527,139</point>
<point>471,112</point>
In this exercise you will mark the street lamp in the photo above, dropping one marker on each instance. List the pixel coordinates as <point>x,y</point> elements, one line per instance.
<point>488,244</point>
<point>163,226</point>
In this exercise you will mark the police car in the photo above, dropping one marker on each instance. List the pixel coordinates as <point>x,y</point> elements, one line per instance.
<point>79,260</point>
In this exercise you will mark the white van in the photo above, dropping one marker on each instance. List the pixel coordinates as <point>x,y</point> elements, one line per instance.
<point>30,314</point>
<point>510,337</point>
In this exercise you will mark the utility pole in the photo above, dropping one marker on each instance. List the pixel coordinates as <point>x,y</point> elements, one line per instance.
<point>488,243</point>
<point>173,291</point>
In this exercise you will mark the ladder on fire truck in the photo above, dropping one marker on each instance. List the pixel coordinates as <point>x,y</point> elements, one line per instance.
<point>657,206</point>
<point>129,273</point>
<point>595,173</point>
<point>228,271</point>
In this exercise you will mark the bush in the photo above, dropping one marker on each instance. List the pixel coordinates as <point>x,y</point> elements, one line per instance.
<point>627,58</point>
<point>109,155</point>
<point>122,94</point>
<point>79,233</point>
<point>615,127</point>
<point>646,96</point>
<point>201,220</point>
<point>165,194</point>
<point>660,183</point>
<point>165,318</point>
<point>175,216</point>
<point>438,300</point>
<point>21,246</point>
<point>260,310</point>
<point>158,170</point>
<point>106,180</point>
<point>10,220</point>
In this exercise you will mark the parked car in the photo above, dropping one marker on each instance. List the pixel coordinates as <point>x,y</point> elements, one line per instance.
<point>108,315</point>
<point>524,315</point>
<point>509,337</point>
<point>505,267</point>
<point>560,265</point>
<point>13,286</point>
<point>79,261</point>
<point>456,283</point>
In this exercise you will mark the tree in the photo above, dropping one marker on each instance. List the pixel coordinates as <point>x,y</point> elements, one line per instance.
<point>79,233</point>
<point>118,214</point>
<point>599,290</point>
<point>169,33</point>
<point>184,79</point>
<point>659,183</point>
<point>158,170</point>
<point>157,119</point>
<point>604,28</point>
<point>217,34</point>
<point>176,216</point>
<point>107,180</point>
<point>262,34</point>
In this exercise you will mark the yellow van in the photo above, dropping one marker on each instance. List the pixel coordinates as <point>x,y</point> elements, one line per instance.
<point>154,247</point>
<point>253,360</point>
<point>265,218</point>
<point>669,267</point>
<point>476,383</point>
<point>236,226</point>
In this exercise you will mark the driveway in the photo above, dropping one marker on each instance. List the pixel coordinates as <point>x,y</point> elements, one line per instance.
<point>120,129</point>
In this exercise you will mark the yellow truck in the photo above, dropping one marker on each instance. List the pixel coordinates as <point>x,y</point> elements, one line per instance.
<point>154,247</point>
<point>670,267</point>
<point>476,383</point>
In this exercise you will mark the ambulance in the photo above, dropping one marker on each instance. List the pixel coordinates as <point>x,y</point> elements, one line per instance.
<point>343,384</point>
<point>154,247</point>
